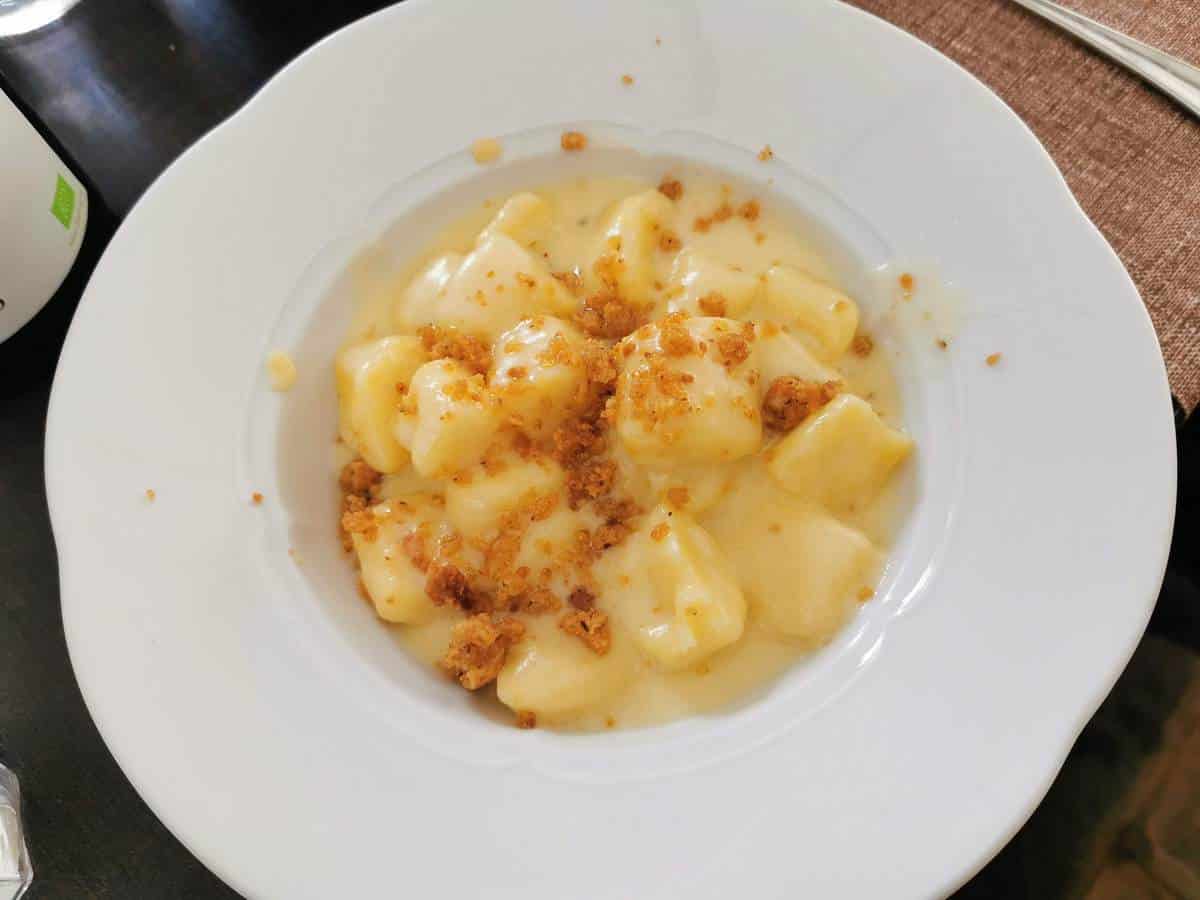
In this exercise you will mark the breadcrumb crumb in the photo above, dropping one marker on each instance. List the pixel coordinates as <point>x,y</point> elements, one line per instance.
<point>865,594</point>
<point>993,358</point>
<point>590,626</point>
<point>478,648</point>
<point>627,79</point>
<point>790,400</point>
<point>671,188</point>
<point>526,719</point>
<point>573,141</point>
<point>766,154</point>
<point>907,282</point>
<point>150,495</point>
<point>862,345</point>
<point>256,498</point>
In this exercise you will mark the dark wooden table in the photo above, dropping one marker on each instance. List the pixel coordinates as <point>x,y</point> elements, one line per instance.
<point>127,85</point>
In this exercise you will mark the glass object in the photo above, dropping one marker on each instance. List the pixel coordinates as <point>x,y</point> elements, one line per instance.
<point>16,873</point>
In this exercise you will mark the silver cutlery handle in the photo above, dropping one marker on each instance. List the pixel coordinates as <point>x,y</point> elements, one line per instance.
<point>1172,76</point>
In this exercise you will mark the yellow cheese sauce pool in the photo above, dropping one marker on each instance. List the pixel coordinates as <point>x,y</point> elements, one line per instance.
<point>783,531</point>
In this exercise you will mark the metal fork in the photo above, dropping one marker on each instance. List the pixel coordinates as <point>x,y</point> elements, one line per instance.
<point>1175,78</point>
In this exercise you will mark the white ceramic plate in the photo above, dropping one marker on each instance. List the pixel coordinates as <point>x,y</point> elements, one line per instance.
<point>271,721</point>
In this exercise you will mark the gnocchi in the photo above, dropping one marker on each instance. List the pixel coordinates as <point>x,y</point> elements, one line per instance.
<point>609,466</point>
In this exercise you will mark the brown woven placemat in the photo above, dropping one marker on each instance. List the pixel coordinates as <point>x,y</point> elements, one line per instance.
<point>1131,156</point>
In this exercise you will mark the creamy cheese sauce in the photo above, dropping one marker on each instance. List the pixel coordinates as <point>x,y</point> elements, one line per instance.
<point>707,602</point>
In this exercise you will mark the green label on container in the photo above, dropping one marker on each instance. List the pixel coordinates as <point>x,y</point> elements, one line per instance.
<point>63,206</point>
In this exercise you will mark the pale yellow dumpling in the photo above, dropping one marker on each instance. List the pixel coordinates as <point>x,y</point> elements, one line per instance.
<point>701,286</point>
<point>476,501</point>
<point>801,568</point>
<point>819,311</point>
<point>371,379</point>
<point>553,674</point>
<point>448,418</point>
<point>391,579</point>
<point>677,405</point>
<point>631,242</point>
<point>678,593</point>
<point>537,370</point>
<point>491,289</point>
<point>839,457</point>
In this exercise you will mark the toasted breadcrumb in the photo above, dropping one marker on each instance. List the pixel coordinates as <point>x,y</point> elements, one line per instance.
<point>415,549</point>
<point>671,188</point>
<point>449,343</point>
<point>627,79</point>
<point>573,141</point>
<point>907,282</point>
<point>590,626</point>
<point>942,343</point>
<point>668,241</point>
<point>993,358</point>
<point>357,518</point>
<point>865,594</point>
<point>582,598</point>
<point>750,210</point>
<point>478,648</point>
<point>789,400</point>
<point>486,150</point>
<point>150,495</point>
<point>660,531</point>
<point>608,536</point>
<point>571,280</point>
<point>446,584</point>
<point>590,481</point>
<point>862,345</point>
<point>678,496</point>
<point>526,719</point>
<point>608,316</point>
<point>536,601</point>
<point>674,337</point>
<point>766,154</point>
<point>733,348</point>
<point>256,498</point>
<point>713,304</point>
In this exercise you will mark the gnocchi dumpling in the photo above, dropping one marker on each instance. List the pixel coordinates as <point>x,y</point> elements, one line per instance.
<point>683,602</point>
<point>371,378</point>
<point>626,261</point>
<point>840,457</point>
<point>686,393</point>
<point>476,502</point>
<point>700,286</point>
<point>554,674</point>
<point>822,312</point>
<point>492,288</point>
<point>389,575</point>
<point>525,217</point>
<point>448,418</point>
<point>801,568</point>
<point>777,353</point>
<point>537,370</point>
